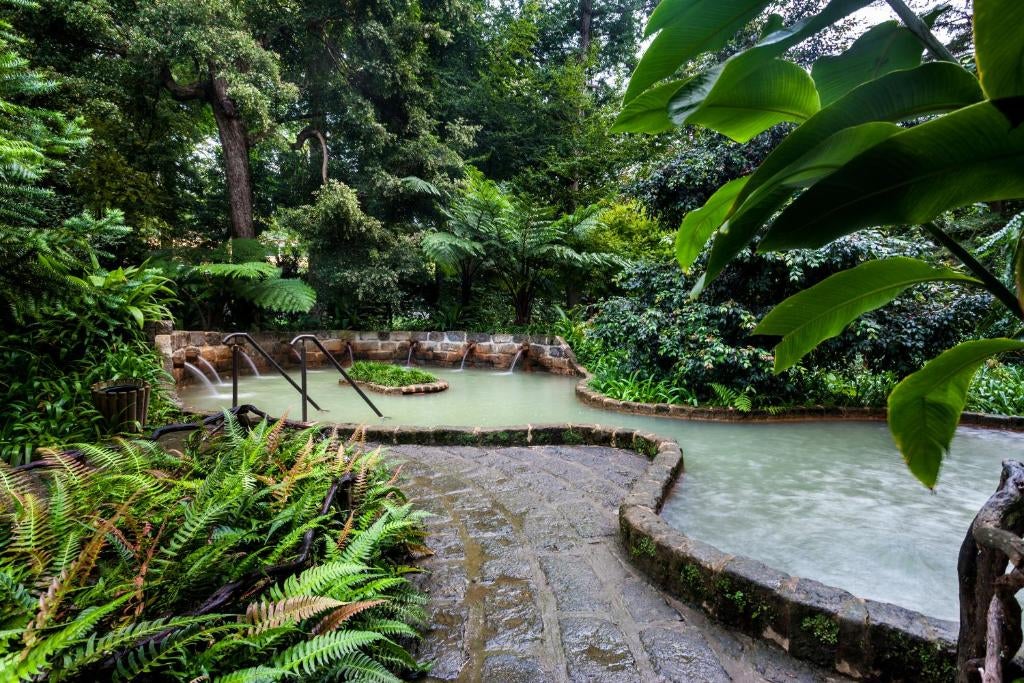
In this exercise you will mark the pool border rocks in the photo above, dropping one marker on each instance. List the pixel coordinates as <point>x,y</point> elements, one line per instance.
<point>407,390</point>
<point>586,394</point>
<point>809,620</point>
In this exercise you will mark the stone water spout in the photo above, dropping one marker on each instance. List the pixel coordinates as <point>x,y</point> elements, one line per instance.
<point>524,349</point>
<point>469,349</point>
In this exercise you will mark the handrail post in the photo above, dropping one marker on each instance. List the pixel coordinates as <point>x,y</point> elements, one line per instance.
<point>334,361</point>
<point>305,393</point>
<point>270,360</point>
<point>234,375</point>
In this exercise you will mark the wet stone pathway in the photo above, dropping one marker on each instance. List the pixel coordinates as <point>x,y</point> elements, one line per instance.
<point>528,581</point>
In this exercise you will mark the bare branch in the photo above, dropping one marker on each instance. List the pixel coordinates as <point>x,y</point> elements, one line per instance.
<point>310,132</point>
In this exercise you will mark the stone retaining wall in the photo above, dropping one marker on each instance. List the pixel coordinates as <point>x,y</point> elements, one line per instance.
<point>540,352</point>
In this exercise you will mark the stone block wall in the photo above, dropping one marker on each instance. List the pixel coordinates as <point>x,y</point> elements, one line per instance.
<point>539,352</point>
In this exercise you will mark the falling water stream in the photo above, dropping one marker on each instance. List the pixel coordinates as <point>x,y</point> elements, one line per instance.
<point>408,358</point>
<point>515,360</point>
<point>462,365</point>
<point>248,360</point>
<point>210,369</point>
<point>203,379</point>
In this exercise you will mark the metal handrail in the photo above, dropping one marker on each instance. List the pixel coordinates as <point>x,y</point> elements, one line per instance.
<point>302,358</point>
<point>234,371</point>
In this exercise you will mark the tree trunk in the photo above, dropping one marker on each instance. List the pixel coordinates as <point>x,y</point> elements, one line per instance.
<point>586,22</point>
<point>981,568</point>
<point>465,287</point>
<point>234,142</point>
<point>522,302</point>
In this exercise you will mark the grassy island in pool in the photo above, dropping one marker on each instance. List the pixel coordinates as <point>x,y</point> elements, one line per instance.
<point>388,375</point>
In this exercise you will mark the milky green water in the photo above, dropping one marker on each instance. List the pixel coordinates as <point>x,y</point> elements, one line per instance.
<point>831,501</point>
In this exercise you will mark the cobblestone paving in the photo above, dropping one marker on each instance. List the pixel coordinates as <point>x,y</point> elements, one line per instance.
<point>529,583</point>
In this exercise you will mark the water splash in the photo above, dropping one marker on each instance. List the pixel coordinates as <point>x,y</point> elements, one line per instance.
<point>208,366</point>
<point>248,361</point>
<point>515,360</point>
<point>203,379</point>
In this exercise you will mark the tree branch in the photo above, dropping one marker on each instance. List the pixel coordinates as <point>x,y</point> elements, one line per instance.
<point>991,282</point>
<point>181,92</point>
<point>920,29</point>
<point>311,132</point>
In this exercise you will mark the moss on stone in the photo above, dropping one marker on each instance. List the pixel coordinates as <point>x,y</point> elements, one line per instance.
<point>643,546</point>
<point>824,629</point>
<point>571,437</point>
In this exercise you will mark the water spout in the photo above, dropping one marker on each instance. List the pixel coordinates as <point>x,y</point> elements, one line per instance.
<point>351,356</point>
<point>408,358</point>
<point>515,360</point>
<point>469,348</point>
<point>203,379</point>
<point>248,360</point>
<point>208,366</point>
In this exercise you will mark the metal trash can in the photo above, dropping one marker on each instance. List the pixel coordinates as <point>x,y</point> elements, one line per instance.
<point>123,403</point>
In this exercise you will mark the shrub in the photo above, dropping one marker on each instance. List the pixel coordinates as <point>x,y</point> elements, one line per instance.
<point>997,388</point>
<point>112,564</point>
<point>388,375</point>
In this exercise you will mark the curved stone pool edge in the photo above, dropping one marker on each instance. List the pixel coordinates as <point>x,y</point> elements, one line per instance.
<point>806,618</point>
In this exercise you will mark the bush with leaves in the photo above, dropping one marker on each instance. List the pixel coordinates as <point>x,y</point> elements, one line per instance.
<point>654,331</point>
<point>133,562</point>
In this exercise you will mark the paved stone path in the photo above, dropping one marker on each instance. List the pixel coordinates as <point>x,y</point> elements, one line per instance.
<point>529,583</point>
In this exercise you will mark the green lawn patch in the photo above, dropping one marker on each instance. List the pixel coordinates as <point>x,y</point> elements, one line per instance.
<point>388,375</point>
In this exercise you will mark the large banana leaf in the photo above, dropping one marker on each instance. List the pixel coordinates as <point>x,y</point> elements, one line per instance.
<point>924,409</point>
<point>687,28</point>
<point>690,27</point>
<point>698,225</point>
<point>999,48</point>
<point>971,155</point>
<point>744,97</point>
<point>928,89</point>
<point>884,48</point>
<point>648,113</point>
<point>759,207</point>
<point>823,311</point>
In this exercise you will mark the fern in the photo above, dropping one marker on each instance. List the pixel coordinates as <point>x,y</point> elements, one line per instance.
<point>140,546</point>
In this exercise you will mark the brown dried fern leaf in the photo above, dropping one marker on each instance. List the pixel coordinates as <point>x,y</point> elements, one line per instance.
<point>268,615</point>
<point>343,614</point>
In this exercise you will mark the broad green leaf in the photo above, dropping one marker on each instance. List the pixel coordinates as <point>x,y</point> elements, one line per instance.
<point>687,28</point>
<point>823,311</point>
<point>648,113</point>
<point>741,100</point>
<point>822,160</point>
<point>698,225</point>
<point>884,48</point>
<point>971,155</point>
<point>999,47</point>
<point>925,407</point>
<point>928,89</point>
<point>140,319</point>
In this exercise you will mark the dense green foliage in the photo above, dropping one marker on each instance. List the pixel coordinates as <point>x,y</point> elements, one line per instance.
<point>107,562</point>
<point>388,374</point>
<point>847,166</point>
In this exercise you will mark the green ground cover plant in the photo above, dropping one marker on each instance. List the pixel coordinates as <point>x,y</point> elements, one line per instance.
<point>388,374</point>
<point>111,564</point>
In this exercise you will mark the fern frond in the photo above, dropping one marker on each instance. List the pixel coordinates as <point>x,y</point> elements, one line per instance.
<point>326,650</point>
<point>267,615</point>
